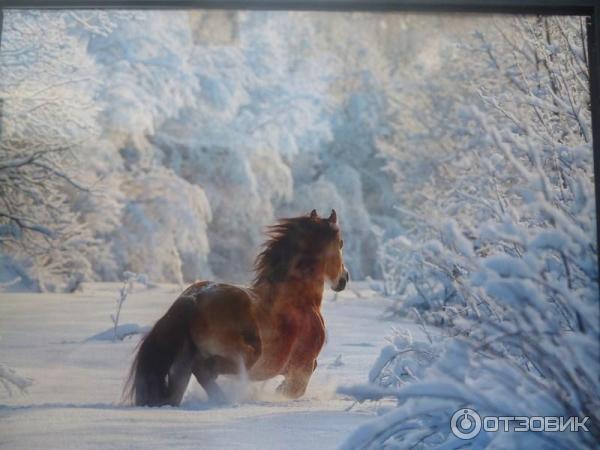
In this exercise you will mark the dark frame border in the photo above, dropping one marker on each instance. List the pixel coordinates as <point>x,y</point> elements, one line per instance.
<point>590,8</point>
<point>566,7</point>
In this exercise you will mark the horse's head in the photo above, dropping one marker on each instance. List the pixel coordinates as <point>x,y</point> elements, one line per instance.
<point>306,247</point>
<point>335,271</point>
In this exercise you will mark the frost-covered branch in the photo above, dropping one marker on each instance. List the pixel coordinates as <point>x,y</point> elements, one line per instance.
<point>129,279</point>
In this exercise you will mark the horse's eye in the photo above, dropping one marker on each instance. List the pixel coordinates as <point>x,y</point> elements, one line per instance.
<point>341,243</point>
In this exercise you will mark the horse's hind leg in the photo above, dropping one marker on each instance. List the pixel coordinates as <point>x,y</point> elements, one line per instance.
<point>206,372</point>
<point>179,375</point>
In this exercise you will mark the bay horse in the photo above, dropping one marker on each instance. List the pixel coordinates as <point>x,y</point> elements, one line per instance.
<point>272,327</point>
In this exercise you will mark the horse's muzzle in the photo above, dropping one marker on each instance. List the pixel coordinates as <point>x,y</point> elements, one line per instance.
<point>341,284</point>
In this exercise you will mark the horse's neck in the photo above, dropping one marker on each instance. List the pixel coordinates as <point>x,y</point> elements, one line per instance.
<point>299,293</point>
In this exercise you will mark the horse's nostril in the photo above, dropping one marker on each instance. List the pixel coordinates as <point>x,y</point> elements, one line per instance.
<point>346,275</point>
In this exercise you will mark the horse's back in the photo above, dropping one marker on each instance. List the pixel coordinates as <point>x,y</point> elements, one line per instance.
<point>221,302</point>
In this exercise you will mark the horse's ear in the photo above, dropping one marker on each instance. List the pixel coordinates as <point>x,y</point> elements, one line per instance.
<point>333,217</point>
<point>313,214</point>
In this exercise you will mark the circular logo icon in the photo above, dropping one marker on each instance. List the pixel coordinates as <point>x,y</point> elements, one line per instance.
<point>465,423</point>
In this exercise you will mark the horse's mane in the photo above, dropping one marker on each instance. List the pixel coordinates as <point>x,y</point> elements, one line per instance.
<point>296,239</point>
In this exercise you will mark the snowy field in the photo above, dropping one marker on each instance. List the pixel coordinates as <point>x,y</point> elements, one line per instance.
<point>74,401</point>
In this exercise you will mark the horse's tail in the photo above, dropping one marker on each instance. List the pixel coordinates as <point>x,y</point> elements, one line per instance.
<point>147,383</point>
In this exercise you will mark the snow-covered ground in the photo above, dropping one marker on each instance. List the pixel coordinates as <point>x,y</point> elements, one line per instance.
<point>74,401</point>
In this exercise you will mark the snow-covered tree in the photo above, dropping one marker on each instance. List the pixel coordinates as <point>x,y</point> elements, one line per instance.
<point>163,228</point>
<point>147,77</point>
<point>506,259</point>
<point>147,72</point>
<point>223,143</point>
<point>49,116</point>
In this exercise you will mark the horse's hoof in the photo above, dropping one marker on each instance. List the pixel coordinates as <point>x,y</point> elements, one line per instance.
<point>288,392</point>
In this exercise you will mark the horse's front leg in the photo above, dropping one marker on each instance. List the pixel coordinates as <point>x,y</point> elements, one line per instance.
<point>303,359</point>
<point>296,380</point>
<point>297,375</point>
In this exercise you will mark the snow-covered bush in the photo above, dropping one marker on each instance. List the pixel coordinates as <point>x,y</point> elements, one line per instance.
<point>506,259</point>
<point>525,344</point>
<point>509,178</point>
<point>430,382</point>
